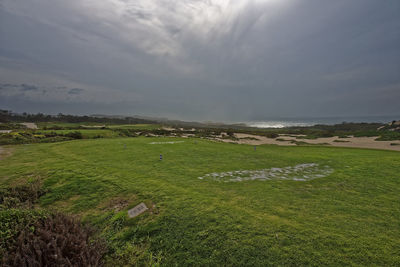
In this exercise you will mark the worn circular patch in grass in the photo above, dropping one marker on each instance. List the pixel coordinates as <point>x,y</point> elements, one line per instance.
<point>300,172</point>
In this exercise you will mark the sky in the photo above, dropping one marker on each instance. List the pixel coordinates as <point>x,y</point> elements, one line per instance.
<point>214,60</point>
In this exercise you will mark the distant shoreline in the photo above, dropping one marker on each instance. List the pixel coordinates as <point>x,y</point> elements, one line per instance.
<point>306,122</point>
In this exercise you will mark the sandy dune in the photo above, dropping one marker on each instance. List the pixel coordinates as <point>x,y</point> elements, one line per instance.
<point>360,142</point>
<point>92,126</point>
<point>168,128</point>
<point>30,125</point>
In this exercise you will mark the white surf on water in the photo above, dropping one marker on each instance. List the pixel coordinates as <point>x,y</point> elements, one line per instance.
<point>303,122</point>
<point>278,124</point>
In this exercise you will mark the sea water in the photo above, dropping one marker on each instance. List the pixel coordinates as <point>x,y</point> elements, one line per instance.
<point>301,122</point>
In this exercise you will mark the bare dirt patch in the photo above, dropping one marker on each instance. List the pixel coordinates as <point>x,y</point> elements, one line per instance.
<point>30,125</point>
<point>251,139</point>
<point>5,152</point>
<point>93,126</point>
<point>118,204</point>
<point>168,128</point>
<point>300,172</point>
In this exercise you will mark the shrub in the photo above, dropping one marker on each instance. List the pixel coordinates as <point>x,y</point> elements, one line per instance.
<point>271,135</point>
<point>51,134</point>
<point>26,194</point>
<point>326,134</point>
<point>126,132</point>
<point>13,222</point>
<point>230,133</point>
<point>389,136</point>
<point>17,136</point>
<point>58,240</point>
<point>31,237</point>
<point>74,135</point>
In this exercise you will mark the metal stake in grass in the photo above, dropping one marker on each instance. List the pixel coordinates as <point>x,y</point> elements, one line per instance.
<point>255,148</point>
<point>160,157</point>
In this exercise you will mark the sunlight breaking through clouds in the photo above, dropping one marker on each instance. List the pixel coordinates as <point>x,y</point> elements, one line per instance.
<point>270,55</point>
<point>156,27</point>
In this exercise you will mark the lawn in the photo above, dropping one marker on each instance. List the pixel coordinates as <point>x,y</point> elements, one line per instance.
<point>66,125</point>
<point>135,126</point>
<point>86,133</point>
<point>75,125</point>
<point>351,216</point>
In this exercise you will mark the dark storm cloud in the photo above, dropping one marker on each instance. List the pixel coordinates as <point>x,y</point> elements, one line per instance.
<point>33,92</point>
<point>198,59</point>
<point>27,87</point>
<point>18,87</point>
<point>75,91</point>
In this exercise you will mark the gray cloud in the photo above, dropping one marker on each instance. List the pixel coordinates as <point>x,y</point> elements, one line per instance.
<point>198,59</point>
<point>75,91</point>
<point>27,87</point>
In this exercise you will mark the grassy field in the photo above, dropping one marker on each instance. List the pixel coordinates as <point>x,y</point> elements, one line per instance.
<point>89,133</point>
<point>135,126</point>
<point>50,125</point>
<point>76,125</point>
<point>49,132</point>
<point>349,217</point>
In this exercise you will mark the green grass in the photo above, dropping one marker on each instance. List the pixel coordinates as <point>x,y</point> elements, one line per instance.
<point>70,125</point>
<point>389,136</point>
<point>351,217</point>
<point>86,133</point>
<point>135,126</point>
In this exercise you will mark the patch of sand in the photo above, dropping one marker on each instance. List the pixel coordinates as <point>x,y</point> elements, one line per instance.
<point>92,126</point>
<point>261,140</point>
<point>30,125</point>
<point>359,142</point>
<point>168,128</point>
<point>188,135</point>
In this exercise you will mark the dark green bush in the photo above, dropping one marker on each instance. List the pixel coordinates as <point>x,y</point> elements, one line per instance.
<point>56,240</point>
<point>26,194</point>
<point>13,221</point>
<point>74,135</point>
<point>31,237</point>
<point>126,132</point>
<point>389,136</point>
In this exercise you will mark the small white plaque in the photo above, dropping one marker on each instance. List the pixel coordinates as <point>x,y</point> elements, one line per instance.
<point>137,210</point>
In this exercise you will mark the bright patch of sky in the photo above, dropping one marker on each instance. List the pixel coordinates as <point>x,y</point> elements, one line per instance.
<point>201,59</point>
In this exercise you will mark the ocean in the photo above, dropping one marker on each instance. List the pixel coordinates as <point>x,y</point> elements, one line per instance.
<point>289,122</point>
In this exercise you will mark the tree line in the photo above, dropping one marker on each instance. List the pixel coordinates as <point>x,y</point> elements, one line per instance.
<point>9,116</point>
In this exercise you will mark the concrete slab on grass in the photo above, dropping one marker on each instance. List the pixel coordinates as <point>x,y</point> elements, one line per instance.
<point>139,209</point>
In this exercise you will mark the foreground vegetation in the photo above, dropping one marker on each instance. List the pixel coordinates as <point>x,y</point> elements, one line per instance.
<point>350,217</point>
<point>37,237</point>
